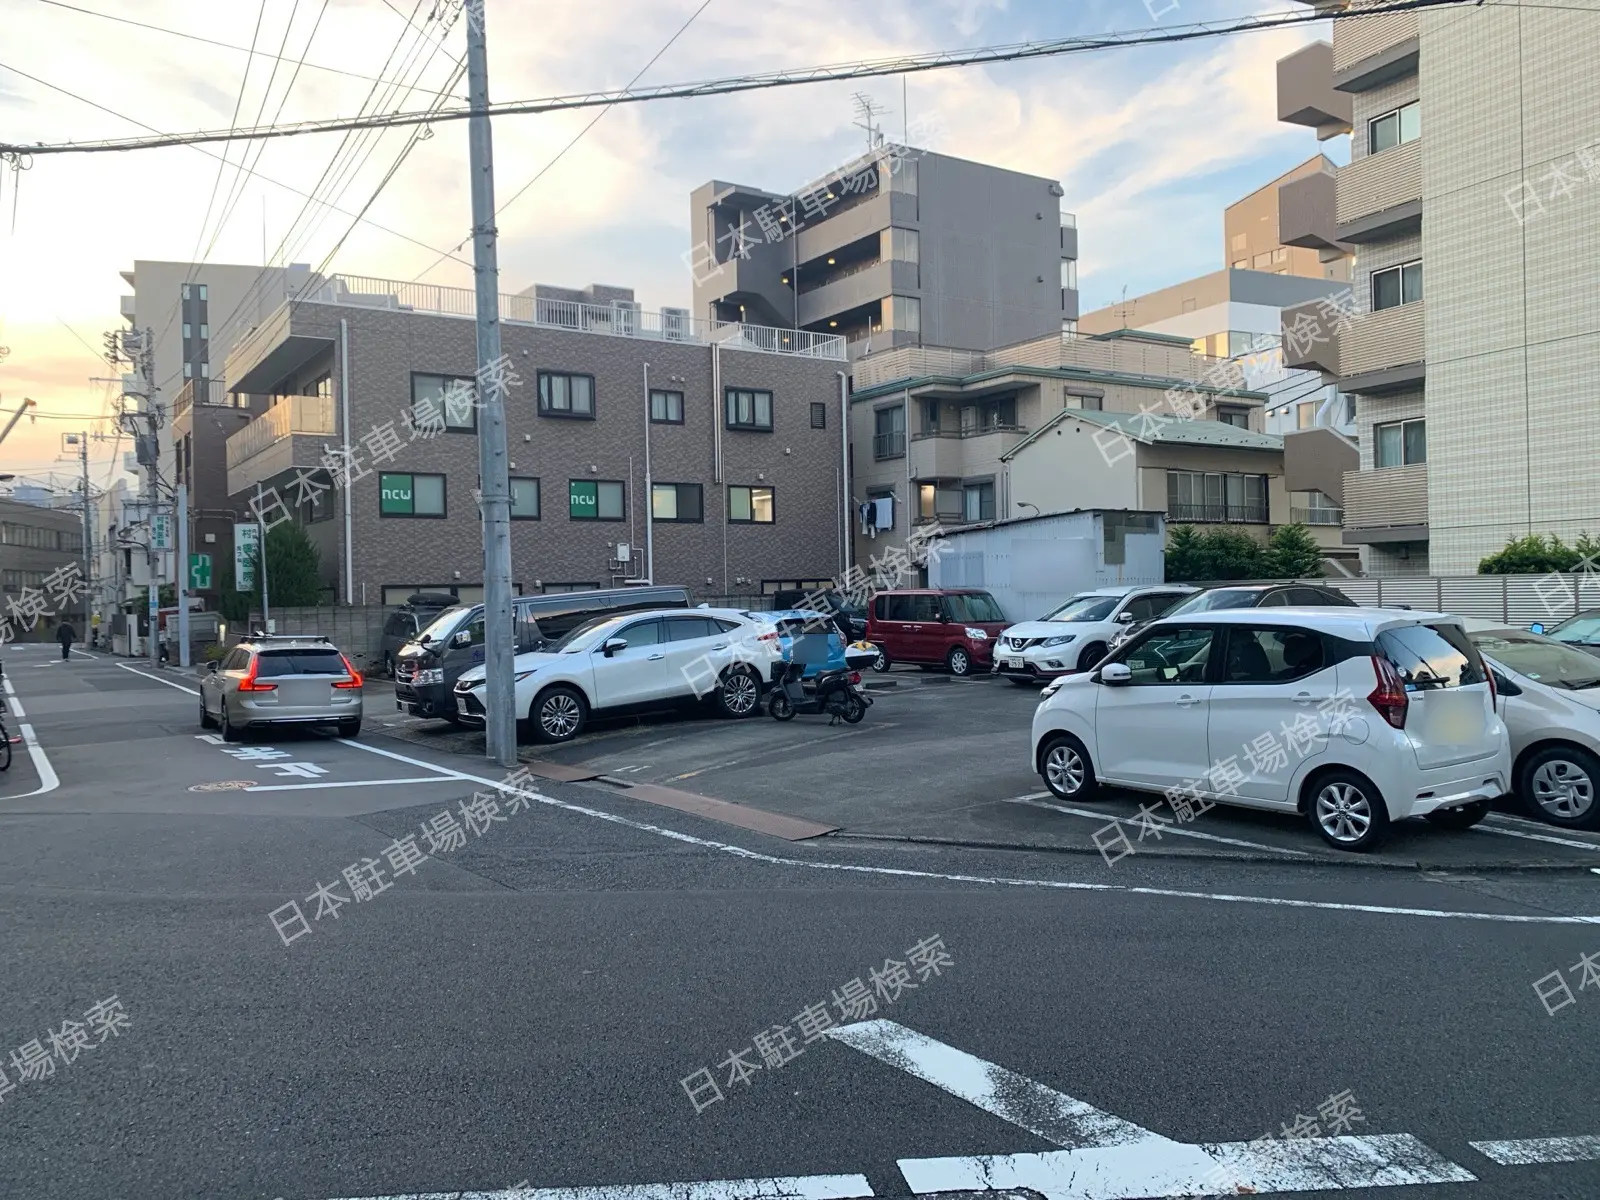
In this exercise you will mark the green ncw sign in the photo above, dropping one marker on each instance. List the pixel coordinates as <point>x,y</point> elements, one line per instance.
<point>583,499</point>
<point>395,494</point>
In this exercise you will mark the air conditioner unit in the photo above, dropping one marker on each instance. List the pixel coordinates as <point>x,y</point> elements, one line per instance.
<point>625,317</point>
<point>676,324</point>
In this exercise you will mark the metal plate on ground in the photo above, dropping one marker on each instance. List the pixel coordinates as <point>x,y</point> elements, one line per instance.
<point>225,785</point>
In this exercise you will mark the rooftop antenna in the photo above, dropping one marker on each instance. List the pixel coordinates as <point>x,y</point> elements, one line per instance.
<point>867,109</point>
<point>1123,310</point>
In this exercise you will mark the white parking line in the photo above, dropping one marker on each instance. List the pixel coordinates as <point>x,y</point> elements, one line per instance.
<point>48,780</point>
<point>801,1187</point>
<point>1526,1151</point>
<point>1061,885</point>
<point>1034,799</point>
<point>1536,837</point>
<point>158,679</point>
<point>348,783</point>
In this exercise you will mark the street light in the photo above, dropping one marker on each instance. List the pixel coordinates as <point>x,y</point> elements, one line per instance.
<point>1025,504</point>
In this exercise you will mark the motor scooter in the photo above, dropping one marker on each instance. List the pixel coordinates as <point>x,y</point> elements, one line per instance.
<point>836,691</point>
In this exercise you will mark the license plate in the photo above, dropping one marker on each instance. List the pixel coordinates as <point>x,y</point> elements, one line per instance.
<point>1013,664</point>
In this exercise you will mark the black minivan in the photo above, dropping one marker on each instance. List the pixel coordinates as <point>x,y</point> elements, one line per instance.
<point>410,619</point>
<point>427,668</point>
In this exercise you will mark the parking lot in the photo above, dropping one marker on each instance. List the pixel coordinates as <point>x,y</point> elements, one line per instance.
<point>947,761</point>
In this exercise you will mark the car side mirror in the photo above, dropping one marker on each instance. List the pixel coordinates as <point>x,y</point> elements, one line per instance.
<point>1124,618</point>
<point>463,637</point>
<point>1114,674</point>
<point>1536,627</point>
<point>612,645</point>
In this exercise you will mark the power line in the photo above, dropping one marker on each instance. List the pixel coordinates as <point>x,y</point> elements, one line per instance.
<point>905,65</point>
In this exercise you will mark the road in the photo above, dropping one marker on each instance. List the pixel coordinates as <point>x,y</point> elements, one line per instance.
<point>518,1001</point>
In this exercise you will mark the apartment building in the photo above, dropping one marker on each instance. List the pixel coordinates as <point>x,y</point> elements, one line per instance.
<point>36,542</point>
<point>734,433</point>
<point>1237,315</point>
<point>958,437</point>
<point>1473,157</point>
<point>900,247</point>
<point>1253,228</point>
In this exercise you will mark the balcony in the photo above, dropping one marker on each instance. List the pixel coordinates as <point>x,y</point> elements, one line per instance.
<point>1216,514</point>
<point>1311,337</point>
<point>843,226</point>
<point>955,453</point>
<point>1380,196</point>
<point>208,393</point>
<point>1317,516</point>
<point>1307,212</point>
<point>287,436</point>
<point>1372,51</point>
<point>1389,504</point>
<point>888,445</point>
<point>1384,352</point>
<point>1306,95</point>
<point>1317,460</point>
<point>857,288</point>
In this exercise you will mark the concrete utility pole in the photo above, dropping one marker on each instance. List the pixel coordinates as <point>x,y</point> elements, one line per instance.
<point>181,570</point>
<point>499,647</point>
<point>152,493</point>
<point>88,539</point>
<point>261,561</point>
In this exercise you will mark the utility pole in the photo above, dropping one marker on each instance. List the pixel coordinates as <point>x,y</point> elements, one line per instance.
<point>499,649</point>
<point>261,562</point>
<point>180,569</point>
<point>88,539</point>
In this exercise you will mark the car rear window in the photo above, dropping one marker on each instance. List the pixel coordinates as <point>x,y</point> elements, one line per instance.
<point>1429,657</point>
<point>271,663</point>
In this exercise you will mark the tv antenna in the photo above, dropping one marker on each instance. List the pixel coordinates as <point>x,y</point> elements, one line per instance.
<point>867,108</point>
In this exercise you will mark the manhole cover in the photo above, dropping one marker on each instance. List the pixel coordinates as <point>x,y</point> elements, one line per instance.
<point>225,785</point>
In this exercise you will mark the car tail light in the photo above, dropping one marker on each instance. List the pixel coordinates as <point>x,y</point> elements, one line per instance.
<point>249,683</point>
<point>855,676</point>
<point>1389,697</point>
<point>355,676</point>
<point>1494,692</point>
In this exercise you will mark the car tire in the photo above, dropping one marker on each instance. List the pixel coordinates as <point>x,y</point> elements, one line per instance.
<point>1065,768</point>
<point>207,721</point>
<point>1569,780</point>
<point>349,729</point>
<point>558,714</point>
<point>1463,816</point>
<point>1092,653</point>
<point>1347,811</point>
<point>958,662</point>
<point>739,693</point>
<point>230,731</point>
<point>780,707</point>
<point>880,661</point>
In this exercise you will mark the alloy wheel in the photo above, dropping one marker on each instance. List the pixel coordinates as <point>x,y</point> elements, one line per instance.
<point>1344,812</point>
<point>1563,789</point>
<point>1064,769</point>
<point>739,693</point>
<point>559,716</point>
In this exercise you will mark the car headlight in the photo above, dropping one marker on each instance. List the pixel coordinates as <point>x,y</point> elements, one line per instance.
<point>1060,641</point>
<point>521,675</point>
<point>429,675</point>
<point>977,635</point>
<point>1051,688</point>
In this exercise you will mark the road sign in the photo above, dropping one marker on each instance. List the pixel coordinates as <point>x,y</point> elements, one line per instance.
<point>200,572</point>
<point>246,543</point>
<point>161,531</point>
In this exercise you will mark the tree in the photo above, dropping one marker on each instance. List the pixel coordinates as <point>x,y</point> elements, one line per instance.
<point>1218,554</point>
<point>294,577</point>
<point>1537,554</point>
<point>1292,553</point>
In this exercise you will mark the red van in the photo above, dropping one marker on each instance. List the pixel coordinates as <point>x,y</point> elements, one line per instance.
<point>954,628</point>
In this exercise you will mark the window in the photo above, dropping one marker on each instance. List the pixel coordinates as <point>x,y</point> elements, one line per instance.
<point>410,495</point>
<point>641,633</point>
<point>1394,128</point>
<point>937,502</point>
<point>749,410</point>
<point>202,291</point>
<point>188,331</point>
<point>1431,656</point>
<point>271,664</point>
<point>188,370</point>
<point>524,499</point>
<point>185,291</point>
<point>1092,403</point>
<point>1305,415</point>
<point>205,370</point>
<point>819,415</point>
<point>1193,496</point>
<point>1397,285</point>
<point>930,416</point>
<point>1239,418</point>
<point>676,502</point>
<point>688,629</point>
<point>1169,654</point>
<point>1400,443</point>
<point>978,502</point>
<point>666,408</point>
<point>1151,606</point>
<point>451,398</point>
<point>595,500</point>
<point>889,433</point>
<point>1272,655</point>
<point>562,395</point>
<point>205,332</point>
<point>906,312</point>
<point>750,506</point>
<point>903,245</point>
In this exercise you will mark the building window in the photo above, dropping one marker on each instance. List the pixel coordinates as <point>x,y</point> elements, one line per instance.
<point>1239,418</point>
<point>188,331</point>
<point>185,291</point>
<point>564,395</point>
<point>188,370</point>
<point>938,502</point>
<point>977,502</point>
<point>1395,286</point>
<point>450,398</point>
<point>1400,443</point>
<point>819,415</point>
<point>676,502</point>
<point>749,410</point>
<point>1217,497</point>
<point>524,499</point>
<point>410,495</point>
<point>930,416</point>
<point>889,433</point>
<point>202,291</point>
<point>1306,414</point>
<point>750,506</point>
<point>1394,128</point>
<point>205,370</point>
<point>1092,403</point>
<point>205,332</point>
<point>906,314</point>
<point>666,408</point>
<point>903,245</point>
<point>595,500</point>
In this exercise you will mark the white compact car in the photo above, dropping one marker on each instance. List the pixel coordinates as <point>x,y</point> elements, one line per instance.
<point>1353,717</point>
<point>1075,636</point>
<point>1550,701</point>
<point>635,660</point>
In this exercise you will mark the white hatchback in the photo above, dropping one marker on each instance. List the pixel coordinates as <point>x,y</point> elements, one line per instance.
<point>1353,717</point>
<point>639,660</point>
<point>1075,635</point>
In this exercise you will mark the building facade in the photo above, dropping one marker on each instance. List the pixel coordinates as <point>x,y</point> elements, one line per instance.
<point>737,428</point>
<point>38,543</point>
<point>1256,238</point>
<point>1473,160</point>
<point>901,247</point>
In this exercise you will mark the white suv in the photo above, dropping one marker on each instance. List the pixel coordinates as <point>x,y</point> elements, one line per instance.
<point>639,659</point>
<point>1354,717</point>
<point>1075,636</point>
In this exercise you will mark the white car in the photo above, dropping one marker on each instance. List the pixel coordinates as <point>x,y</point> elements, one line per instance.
<point>1075,636</point>
<point>1550,701</point>
<point>639,659</point>
<point>1353,717</point>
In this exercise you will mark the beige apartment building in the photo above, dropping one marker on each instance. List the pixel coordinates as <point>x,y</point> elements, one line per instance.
<point>1253,235</point>
<point>1473,159</point>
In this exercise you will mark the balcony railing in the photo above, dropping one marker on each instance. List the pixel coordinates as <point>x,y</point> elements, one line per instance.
<point>971,431</point>
<point>1380,341</point>
<point>1317,516</point>
<point>1386,496</point>
<point>1231,514</point>
<point>210,393</point>
<point>1379,182</point>
<point>888,445</point>
<point>289,416</point>
<point>616,320</point>
<point>1357,39</point>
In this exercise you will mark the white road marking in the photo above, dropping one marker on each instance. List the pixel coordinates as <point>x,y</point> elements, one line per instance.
<point>1109,1158</point>
<point>989,880</point>
<point>85,654</point>
<point>347,783</point>
<point>794,1187</point>
<point>1523,1152</point>
<point>1536,837</point>
<point>48,780</point>
<point>158,679</point>
<point>1106,818</point>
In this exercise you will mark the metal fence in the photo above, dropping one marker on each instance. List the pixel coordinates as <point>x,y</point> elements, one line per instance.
<point>1514,599</point>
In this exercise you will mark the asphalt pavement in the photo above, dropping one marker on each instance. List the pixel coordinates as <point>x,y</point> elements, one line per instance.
<point>570,987</point>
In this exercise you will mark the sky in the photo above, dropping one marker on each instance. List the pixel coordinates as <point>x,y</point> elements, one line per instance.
<point>1149,143</point>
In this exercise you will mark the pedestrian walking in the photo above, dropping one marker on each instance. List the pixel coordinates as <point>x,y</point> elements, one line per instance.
<point>66,634</point>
